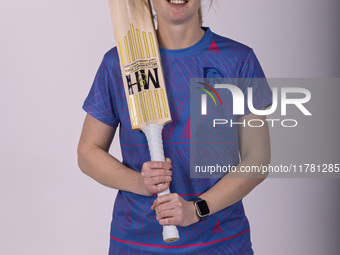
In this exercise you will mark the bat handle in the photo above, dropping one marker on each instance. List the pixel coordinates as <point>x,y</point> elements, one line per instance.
<point>170,232</point>
<point>153,133</point>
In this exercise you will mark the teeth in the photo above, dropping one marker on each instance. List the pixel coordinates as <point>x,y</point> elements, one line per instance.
<point>177,1</point>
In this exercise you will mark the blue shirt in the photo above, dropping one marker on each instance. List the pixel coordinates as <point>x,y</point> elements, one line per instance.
<point>134,226</point>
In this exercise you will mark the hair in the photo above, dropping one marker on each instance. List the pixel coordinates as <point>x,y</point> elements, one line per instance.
<point>200,15</point>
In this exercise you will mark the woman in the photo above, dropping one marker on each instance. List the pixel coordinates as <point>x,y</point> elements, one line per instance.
<point>188,51</point>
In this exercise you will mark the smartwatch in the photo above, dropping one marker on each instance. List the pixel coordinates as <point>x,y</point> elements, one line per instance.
<point>202,209</point>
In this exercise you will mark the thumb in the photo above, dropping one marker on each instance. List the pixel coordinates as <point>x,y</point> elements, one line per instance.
<point>153,207</point>
<point>167,160</point>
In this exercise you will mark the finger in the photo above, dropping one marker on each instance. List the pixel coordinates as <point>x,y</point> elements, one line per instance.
<point>161,188</point>
<point>166,214</point>
<point>170,221</point>
<point>167,160</point>
<point>158,180</point>
<point>156,172</point>
<point>153,207</point>
<point>155,189</point>
<point>167,206</point>
<point>166,198</point>
<point>157,165</point>
<point>168,163</point>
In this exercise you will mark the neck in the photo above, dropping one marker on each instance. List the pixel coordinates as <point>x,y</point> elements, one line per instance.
<point>178,36</point>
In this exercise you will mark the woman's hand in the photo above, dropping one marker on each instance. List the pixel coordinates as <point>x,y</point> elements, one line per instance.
<point>154,173</point>
<point>171,209</point>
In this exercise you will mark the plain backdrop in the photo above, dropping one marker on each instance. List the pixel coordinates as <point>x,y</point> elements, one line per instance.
<point>49,54</point>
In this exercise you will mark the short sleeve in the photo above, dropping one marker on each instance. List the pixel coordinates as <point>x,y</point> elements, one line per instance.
<point>252,76</point>
<point>100,102</point>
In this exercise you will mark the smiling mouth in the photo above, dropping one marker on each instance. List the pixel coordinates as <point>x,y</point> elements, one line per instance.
<point>177,1</point>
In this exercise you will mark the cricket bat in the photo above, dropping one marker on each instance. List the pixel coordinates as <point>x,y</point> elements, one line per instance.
<point>143,78</point>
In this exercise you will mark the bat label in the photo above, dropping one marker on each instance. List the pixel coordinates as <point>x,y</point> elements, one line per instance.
<point>140,79</point>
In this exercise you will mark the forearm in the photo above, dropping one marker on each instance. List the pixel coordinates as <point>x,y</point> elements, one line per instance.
<point>107,170</point>
<point>254,146</point>
<point>233,187</point>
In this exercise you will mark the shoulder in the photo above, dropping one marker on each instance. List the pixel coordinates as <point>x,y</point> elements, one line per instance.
<point>225,45</point>
<point>236,58</point>
<point>110,63</point>
<point>111,58</point>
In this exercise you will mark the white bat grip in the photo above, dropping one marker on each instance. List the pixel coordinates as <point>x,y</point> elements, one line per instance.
<point>153,133</point>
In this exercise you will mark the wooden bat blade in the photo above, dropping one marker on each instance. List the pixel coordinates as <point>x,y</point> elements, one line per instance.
<point>140,63</point>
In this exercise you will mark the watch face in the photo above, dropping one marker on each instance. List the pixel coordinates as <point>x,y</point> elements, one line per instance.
<point>202,208</point>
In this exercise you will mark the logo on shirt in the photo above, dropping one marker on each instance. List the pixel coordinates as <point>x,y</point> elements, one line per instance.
<point>212,73</point>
